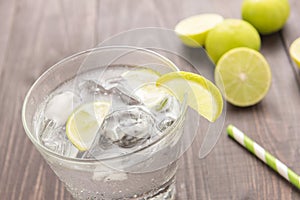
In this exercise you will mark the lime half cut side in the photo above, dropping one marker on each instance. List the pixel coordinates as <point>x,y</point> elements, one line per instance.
<point>295,51</point>
<point>244,76</point>
<point>193,30</point>
<point>202,95</point>
<point>84,123</point>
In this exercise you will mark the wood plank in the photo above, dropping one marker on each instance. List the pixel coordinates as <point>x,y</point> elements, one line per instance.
<point>40,34</point>
<point>12,145</point>
<point>7,10</point>
<point>142,13</point>
<point>291,32</point>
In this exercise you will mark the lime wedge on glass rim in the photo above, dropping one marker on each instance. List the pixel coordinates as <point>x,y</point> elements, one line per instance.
<point>202,95</point>
<point>83,124</point>
<point>193,30</point>
<point>243,76</point>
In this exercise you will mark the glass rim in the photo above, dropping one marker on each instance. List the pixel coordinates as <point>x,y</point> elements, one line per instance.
<point>44,149</point>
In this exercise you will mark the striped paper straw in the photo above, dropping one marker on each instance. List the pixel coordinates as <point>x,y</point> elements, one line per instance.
<point>263,155</point>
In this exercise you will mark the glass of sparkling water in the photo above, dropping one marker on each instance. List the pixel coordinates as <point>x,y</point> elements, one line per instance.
<point>134,153</point>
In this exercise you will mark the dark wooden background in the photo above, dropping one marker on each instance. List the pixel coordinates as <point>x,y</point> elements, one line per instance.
<point>34,34</point>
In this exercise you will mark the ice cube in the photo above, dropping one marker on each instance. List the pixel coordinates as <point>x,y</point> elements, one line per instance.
<point>118,87</point>
<point>112,90</point>
<point>128,126</point>
<point>124,129</point>
<point>113,82</point>
<point>165,123</point>
<point>55,139</point>
<point>91,86</point>
<point>60,106</point>
<point>91,90</point>
<point>166,112</point>
<point>126,97</point>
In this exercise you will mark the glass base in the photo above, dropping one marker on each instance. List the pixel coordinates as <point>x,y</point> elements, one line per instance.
<point>165,192</point>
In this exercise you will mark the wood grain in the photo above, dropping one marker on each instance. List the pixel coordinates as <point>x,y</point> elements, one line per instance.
<point>35,34</point>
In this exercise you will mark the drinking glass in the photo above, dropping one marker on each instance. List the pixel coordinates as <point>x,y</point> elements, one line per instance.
<point>146,173</point>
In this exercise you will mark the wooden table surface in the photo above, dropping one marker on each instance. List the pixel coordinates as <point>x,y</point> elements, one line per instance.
<point>35,34</point>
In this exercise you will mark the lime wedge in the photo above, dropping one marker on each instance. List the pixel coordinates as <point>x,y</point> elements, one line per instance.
<point>202,95</point>
<point>83,124</point>
<point>295,51</point>
<point>244,76</point>
<point>193,30</point>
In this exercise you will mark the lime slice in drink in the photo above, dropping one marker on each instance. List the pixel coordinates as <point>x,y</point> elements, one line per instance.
<point>136,78</point>
<point>193,30</point>
<point>244,76</point>
<point>202,95</point>
<point>295,51</point>
<point>83,124</point>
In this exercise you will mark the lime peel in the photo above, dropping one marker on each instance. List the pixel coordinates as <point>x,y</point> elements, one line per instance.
<point>267,16</point>
<point>229,34</point>
<point>203,96</point>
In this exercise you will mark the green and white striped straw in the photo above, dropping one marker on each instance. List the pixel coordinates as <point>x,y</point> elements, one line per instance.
<point>263,155</point>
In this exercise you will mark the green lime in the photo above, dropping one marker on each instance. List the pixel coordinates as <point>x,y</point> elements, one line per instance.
<point>229,34</point>
<point>84,123</point>
<point>193,30</point>
<point>267,16</point>
<point>295,51</point>
<point>244,76</point>
<point>202,95</point>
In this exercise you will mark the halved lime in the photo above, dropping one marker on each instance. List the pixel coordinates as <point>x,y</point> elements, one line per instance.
<point>83,124</point>
<point>244,76</point>
<point>295,51</point>
<point>202,95</point>
<point>193,30</point>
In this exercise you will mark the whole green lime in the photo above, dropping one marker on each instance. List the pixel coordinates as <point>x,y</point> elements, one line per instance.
<point>267,16</point>
<point>229,34</point>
